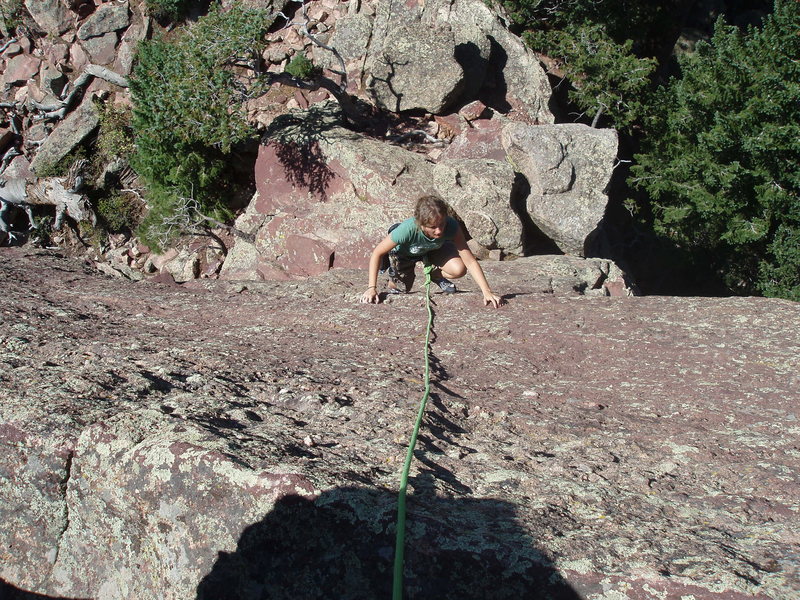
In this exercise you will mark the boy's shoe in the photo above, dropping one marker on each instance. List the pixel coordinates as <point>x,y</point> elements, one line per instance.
<point>391,289</point>
<point>447,286</point>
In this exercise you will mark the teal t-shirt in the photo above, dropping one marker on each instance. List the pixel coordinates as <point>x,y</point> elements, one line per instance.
<point>413,243</point>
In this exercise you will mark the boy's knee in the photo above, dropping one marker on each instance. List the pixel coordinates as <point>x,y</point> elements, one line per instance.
<point>454,271</point>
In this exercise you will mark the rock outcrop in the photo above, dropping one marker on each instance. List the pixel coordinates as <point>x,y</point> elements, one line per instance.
<point>326,195</point>
<point>245,439</point>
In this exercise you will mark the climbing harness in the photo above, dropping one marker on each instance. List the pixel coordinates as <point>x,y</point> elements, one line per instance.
<point>397,588</point>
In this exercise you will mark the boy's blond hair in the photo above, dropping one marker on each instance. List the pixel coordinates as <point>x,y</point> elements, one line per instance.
<point>429,210</point>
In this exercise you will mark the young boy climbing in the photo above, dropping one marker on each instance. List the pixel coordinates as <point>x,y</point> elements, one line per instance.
<point>430,234</point>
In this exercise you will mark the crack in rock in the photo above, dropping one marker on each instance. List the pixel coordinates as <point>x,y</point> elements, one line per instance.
<point>63,486</point>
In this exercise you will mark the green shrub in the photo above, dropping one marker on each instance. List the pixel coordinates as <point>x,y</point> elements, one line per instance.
<point>115,136</point>
<point>607,77</point>
<point>188,113</point>
<point>301,67</point>
<point>172,10</point>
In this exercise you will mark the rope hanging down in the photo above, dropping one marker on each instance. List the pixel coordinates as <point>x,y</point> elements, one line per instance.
<point>397,588</point>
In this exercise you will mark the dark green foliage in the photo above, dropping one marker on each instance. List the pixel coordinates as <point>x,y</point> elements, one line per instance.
<point>301,67</point>
<point>607,77</point>
<point>648,24</point>
<point>188,111</point>
<point>721,154</point>
<point>119,212</point>
<point>171,10</point>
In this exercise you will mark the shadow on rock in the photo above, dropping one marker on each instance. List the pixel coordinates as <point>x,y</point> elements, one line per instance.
<point>341,545</point>
<point>9,592</point>
<point>296,138</point>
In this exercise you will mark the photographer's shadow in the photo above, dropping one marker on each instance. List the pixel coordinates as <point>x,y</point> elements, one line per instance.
<point>341,546</point>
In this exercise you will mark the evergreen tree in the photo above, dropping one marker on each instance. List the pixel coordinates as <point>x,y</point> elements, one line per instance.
<point>188,114</point>
<point>607,78</point>
<point>721,154</point>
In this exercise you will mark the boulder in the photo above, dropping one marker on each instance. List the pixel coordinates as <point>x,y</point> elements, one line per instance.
<point>57,53</point>
<point>350,37</point>
<point>51,16</point>
<point>185,266</point>
<point>12,49</point>
<point>416,69</point>
<point>19,69</point>
<point>461,50</point>
<point>102,49</point>
<point>108,18</point>
<point>52,80</point>
<point>568,168</point>
<point>573,275</point>
<point>78,57</point>
<point>480,192</point>
<point>70,132</point>
<point>514,83</point>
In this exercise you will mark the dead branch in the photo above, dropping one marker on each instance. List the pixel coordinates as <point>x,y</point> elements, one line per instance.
<point>7,44</point>
<point>106,75</point>
<point>248,237</point>
<point>314,40</point>
<point>189,219</point>
<point>8,157</point>
<point>58,110</point>
<point>425,135</point>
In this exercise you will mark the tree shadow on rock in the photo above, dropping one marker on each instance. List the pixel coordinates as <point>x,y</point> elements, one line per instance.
<point>341,545</point>
<point>296,139</point>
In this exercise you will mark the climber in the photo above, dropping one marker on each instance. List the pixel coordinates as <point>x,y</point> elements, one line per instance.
<point>433,235</point>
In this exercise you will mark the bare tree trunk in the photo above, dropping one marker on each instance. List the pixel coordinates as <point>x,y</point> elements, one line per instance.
<point>599,114</point>
<point>351,112</point>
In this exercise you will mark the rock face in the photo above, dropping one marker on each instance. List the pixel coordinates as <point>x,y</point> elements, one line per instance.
<point>245,440</point>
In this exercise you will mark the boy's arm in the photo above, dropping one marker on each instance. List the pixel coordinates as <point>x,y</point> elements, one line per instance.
<point>370,296</point>
<point>475,271</point>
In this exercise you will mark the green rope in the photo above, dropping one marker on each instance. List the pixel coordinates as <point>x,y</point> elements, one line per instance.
<point>397,589</point>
